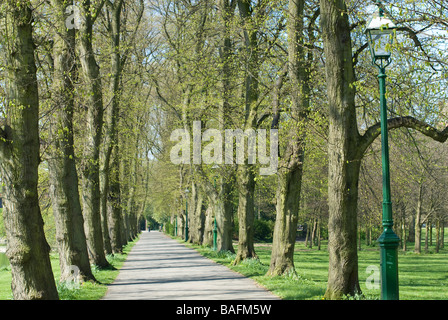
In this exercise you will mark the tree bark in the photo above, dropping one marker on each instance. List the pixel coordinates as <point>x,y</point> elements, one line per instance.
<point>91,199</point>
<point>114,208</point>
<point>418,225</point>
<point>197,216</point>
<point>437,236</point>
<point>64,191</point>
<point>224,216</point>
<point>285,229</point>
<point>246,214</point>
<point>125,172</point>
<point>411,230</point>
<point>289,175</point>
<point>245,174</point>
<point>319,229</point>
<point>27,250</point>
<point>442,234</point>
<point>343,153</point>
<point>225,183</point>
<point>403,234</point>
<point>131,202</point>
<point>110,190</point>
<point>208,227</point>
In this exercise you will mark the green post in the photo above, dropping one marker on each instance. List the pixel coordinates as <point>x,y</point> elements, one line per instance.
<point>186,219</point>
<point>175,227</point>
<point>215,236</point>
<point>388,240</point>
<point>215,226</point>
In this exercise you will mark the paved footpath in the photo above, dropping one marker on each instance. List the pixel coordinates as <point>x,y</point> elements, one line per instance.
<point>159,267</point>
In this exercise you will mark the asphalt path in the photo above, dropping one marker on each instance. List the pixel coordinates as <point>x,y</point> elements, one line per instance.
<point>160,268</point>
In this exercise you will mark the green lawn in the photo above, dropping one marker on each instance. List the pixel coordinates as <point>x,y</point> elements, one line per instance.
<point>86,291</point>
<point>421,277</point>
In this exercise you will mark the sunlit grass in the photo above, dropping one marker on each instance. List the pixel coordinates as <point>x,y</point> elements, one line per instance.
<point>71,291</point>
<point>421,276</point>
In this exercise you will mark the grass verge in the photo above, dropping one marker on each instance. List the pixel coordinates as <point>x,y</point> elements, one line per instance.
<point>86,290</point>
<point>421,276</point>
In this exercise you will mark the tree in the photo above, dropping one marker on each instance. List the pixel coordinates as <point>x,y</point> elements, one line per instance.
<point>28,250</point>
<point>109,175</point>
<point>245,171</point>
<point>347,147</point>
<point>61,161</point>
<point>289,177</point>
<point>94,123</point>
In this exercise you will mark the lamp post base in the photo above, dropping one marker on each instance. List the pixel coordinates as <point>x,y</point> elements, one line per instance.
<point>389,243</point>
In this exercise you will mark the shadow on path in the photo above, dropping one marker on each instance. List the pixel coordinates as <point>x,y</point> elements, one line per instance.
<point>158,267</point>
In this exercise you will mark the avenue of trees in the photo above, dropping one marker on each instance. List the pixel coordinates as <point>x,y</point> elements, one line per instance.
<point>92,90</point>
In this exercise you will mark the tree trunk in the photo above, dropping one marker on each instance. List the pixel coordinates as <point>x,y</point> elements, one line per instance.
<point>307,238</point>
<point>27,250</point>
<point>224,217</point>
<point>418,225</point>
<point>124,189</point>
<point>111,123</point>
<point>359,239</point>
<point>114,209</point>
<point>246,214</point>
<point>430,233</point>
<point>196,215</point>
<point>403,235</point>
<point>343,256</point>
<point>442,235</point>
<point>319,229</point>
<point>310,236</point>
<point>437,235</point>
<point>367,234</point>
<point>131,202</point>
<point>289,175</point>
<point>285,229</point>
<point>94,124</point>
<point>314,234</point>
<point>343,151</point>
<point>61,163</point>
<point>225,183</point>
<point>411,230</point>
<point>245,174</point>
<point>200,219</point>
<point>208,227</point>
<point>181,224</point>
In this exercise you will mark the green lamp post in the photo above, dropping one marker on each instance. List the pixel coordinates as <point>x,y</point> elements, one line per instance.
<point>175,227</point>
<point>186,214</point>
<point>380,34</point>
<point>215,225</point>
<point>215,228</point>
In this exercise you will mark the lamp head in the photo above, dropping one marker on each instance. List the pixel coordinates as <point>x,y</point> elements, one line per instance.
<point>380,32</point>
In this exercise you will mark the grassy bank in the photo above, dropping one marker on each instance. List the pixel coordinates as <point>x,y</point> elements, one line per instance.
<point>421,276</point>
<point>85,291</point>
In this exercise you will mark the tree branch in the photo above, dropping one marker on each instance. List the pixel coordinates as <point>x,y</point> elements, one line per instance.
<point>98,10</point>
<point>407,122</point>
